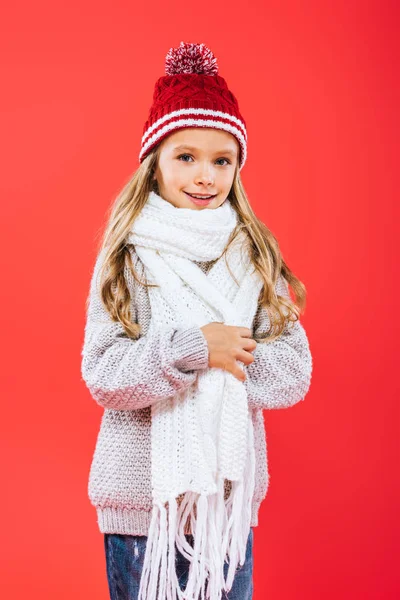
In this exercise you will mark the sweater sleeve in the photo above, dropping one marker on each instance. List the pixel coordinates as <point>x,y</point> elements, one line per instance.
<point>126,374</point>
<point>280,375</point>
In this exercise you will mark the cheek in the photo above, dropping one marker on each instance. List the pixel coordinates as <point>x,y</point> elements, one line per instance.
<point>175,174</point>
<point>167,168</point>
<point>225,179</point>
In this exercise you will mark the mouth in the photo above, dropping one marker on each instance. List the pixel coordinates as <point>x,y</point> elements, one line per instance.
<point>201,201</point>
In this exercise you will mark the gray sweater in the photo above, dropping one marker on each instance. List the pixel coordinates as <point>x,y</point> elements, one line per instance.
<point>127,376</point>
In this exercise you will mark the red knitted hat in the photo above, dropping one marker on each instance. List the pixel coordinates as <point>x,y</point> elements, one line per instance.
<point>192,94</point>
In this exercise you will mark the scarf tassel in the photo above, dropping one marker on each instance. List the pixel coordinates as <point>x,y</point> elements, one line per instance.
<point>220,530</point>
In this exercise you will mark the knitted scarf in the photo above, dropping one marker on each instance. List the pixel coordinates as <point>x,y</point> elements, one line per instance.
<point>205,434</point>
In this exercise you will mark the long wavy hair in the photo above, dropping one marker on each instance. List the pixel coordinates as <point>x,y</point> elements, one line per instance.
<point>263,247</point>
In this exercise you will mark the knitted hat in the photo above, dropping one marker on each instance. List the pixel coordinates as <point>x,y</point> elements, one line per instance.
<point>192,94</point>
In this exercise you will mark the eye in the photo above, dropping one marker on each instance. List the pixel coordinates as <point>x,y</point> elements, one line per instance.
<point>188,155</point>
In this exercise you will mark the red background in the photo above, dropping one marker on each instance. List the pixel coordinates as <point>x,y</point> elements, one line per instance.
<point>318,85</point>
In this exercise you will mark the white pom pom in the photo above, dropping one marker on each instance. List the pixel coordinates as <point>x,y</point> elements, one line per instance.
<point>191,58</point>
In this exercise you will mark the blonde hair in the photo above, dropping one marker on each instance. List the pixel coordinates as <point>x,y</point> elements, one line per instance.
<point>263,247</point>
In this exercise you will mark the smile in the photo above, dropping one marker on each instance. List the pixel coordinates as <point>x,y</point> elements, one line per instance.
<point>198,197</point>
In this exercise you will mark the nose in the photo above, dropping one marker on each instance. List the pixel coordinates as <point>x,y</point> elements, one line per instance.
<point>205,175</point>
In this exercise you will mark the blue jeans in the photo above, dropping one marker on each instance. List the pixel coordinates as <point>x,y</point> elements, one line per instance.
<point>124,561</point>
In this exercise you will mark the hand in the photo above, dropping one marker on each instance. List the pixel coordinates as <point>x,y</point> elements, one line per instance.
<point>227,344</point>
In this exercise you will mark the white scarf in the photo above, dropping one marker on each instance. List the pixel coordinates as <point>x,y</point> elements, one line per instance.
<point>203,435</point>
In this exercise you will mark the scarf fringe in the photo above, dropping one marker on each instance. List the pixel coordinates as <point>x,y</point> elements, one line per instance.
<point>212,442</point>
<point>220,530</point>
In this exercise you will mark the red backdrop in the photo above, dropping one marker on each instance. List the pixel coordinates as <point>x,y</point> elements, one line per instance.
<point>318,85</point>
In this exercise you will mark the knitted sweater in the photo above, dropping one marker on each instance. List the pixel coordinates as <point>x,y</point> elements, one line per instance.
<point>127,376</point>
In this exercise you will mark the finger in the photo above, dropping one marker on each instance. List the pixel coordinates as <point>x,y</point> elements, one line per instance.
<point>245,332</point>
<point>250,345</point>
<point>241,374</point>
<point>238,372</point>
<point>245,357</point>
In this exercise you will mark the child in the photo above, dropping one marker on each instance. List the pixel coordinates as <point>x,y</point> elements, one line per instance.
<point>188,282</point>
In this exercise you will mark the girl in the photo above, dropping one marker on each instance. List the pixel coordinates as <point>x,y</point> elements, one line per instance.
<point>187,283</point>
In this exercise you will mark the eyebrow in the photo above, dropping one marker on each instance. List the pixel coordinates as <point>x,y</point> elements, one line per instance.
<point>192,149</point>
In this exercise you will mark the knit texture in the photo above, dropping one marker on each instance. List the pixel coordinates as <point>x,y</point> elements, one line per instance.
<point>125,377</point>
<point>204,435</point>
<point>192,94</point>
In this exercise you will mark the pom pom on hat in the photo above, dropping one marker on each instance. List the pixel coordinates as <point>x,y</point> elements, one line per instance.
<point>192,94</point>
<point>191,58</point>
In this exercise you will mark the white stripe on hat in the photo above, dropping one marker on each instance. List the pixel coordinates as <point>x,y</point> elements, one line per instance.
<point>199,122</point>
<point>195,111</point>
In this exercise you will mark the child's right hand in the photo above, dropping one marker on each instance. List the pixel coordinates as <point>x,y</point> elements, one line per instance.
<point>227,344</point>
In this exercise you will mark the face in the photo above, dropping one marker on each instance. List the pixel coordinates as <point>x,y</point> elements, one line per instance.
<point>199,161</point>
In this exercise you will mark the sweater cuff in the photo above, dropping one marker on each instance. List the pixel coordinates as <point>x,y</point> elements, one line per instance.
<point>190,348</point>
